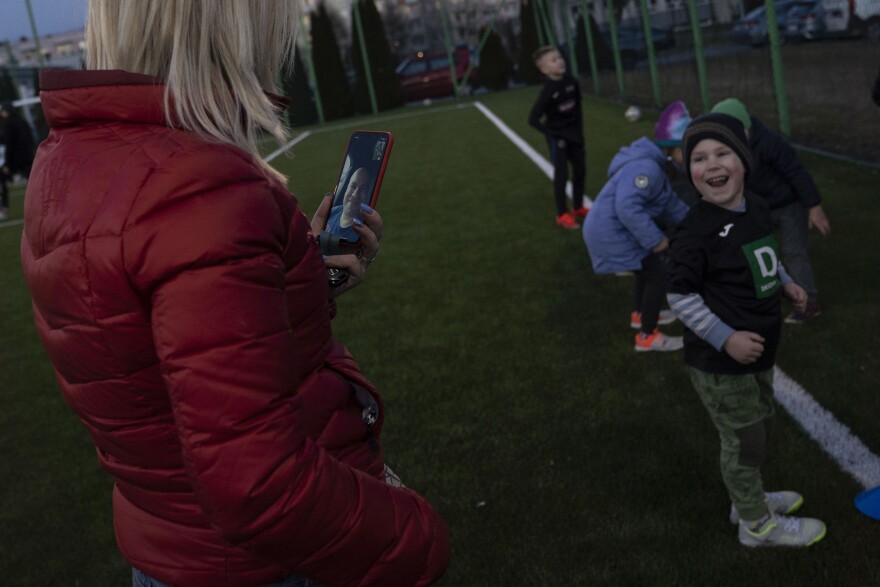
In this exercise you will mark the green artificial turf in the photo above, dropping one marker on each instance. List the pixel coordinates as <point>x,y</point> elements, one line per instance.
<point>515,402</point>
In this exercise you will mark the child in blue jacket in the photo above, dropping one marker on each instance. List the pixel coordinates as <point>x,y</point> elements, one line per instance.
<point>625,228</point>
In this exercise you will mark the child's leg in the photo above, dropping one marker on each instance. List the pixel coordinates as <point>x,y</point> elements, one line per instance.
<point>741,407</point>
<point>4,192</point>
<point>560,172</point>
<point>577,156</point>
<point>638,290</point>
<point>653,292</point>
<point>792,221</point>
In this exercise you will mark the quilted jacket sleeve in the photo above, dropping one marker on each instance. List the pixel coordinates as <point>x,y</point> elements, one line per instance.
<point>206,246</point>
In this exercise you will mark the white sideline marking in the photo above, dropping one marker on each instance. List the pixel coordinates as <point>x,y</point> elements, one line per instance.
<point>834,438</point>
<point>526,148</point>
<point>290,144</point>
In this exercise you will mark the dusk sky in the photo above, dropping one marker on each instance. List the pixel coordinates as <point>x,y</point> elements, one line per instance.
<point>51,16</point>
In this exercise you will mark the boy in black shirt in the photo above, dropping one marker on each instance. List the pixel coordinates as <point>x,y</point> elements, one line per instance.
<point>557,114</point>
<point>724,283</point>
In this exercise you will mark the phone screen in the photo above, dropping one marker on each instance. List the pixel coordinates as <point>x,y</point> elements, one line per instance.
<point>360,177</point>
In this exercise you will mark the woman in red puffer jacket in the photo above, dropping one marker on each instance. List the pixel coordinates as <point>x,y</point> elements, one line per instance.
<point>183,301</point>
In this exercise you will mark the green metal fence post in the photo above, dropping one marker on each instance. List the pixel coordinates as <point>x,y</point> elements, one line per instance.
<point>448,42</point>
<point>698,52</point>
<point>594,69</point>
<point>356,11</point>
<point>649,45</point>
<point>538,23</point>
<point>483,39</point>
<point>615,49</point>
<point>39,49</point>
<point>548,24</point>
<point>569,40</point>
<point>310,64</point>
<point>778,75</point>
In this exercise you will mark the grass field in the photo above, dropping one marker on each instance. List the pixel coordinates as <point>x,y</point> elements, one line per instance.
<point>515,401</point>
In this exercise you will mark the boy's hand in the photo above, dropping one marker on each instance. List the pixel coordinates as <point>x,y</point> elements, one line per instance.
<point>797,295</point>
<point>818,220</point>
<point>661,246</point>
<point>744,347</point>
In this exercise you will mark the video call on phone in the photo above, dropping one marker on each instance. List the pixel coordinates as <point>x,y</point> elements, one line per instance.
<point>362,167</point>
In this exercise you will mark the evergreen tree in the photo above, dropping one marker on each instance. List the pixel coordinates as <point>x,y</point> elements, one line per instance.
<point>7,86</point>
<point>302,109</point>
<point>601,48</point>
<point>495,65</point>
<point>336,97</point>
<point>528,42</point>
<point>389,93</point>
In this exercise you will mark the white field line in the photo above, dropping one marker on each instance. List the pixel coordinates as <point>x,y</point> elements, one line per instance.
<point>289,145</point>
<point>834,438</point>
<point>527,149</point>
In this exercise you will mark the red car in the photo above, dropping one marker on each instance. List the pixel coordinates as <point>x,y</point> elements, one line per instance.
<point>426,75</point>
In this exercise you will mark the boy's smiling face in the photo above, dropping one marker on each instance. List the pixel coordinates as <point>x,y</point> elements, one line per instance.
<point>552,65</point>
<point>717,173</point>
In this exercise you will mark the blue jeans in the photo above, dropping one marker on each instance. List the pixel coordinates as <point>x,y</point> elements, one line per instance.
<point>139,579</point>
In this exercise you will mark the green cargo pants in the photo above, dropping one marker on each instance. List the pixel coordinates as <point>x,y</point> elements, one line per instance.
<point>741,407</point>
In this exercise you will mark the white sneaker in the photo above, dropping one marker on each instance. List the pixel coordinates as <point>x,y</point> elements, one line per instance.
<point>779,530</point>
<point>657,341</point>
<point>666,317</point>
<point>778,502</point>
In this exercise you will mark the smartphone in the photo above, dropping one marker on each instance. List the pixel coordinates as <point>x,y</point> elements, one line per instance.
<point>360,177</point>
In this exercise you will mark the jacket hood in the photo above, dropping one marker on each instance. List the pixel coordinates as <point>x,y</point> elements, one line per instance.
<point>640,149</point>
<point>757,130</point>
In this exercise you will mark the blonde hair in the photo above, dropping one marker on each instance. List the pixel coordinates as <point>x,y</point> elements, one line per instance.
<point>199,48</point>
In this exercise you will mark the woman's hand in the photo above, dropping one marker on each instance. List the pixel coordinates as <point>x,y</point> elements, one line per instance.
<point>370,230</point>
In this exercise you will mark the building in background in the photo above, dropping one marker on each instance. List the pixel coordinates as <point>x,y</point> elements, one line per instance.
<point>58,50</point>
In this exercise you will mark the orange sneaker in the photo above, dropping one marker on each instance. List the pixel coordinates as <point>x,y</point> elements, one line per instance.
<point>657,341</point>
<point>566,220</point>
<point>580,212</point>
<point>666,317</point>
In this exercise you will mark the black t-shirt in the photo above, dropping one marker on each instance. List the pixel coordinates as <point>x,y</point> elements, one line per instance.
<point>559,105</point>
<point>731,260</point>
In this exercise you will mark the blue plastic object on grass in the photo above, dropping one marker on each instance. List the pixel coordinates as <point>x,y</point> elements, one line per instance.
<point>868,502</point>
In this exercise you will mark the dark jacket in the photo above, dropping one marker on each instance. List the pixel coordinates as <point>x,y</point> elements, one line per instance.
<point>557,110</point>
<point>876,93</point>
<point>777,174</point>
<point>183,302</point>
<point>730,259</point>
<point>16,136</point>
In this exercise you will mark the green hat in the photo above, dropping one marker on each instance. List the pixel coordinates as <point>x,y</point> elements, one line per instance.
<point>735,108</point>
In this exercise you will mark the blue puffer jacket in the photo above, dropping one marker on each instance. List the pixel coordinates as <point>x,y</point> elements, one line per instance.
<point>622,226</point>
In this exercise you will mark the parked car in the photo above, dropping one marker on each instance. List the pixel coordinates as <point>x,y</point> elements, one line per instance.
<point>426,75</point>
<point>806,21</point>
<point>752,28</point>
<point>852,18</point>
<point>631,42</point>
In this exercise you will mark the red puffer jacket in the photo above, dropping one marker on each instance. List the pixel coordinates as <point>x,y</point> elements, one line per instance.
<point>183,301</point>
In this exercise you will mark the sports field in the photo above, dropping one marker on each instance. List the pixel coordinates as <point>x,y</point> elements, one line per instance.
<point>515,401</point>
